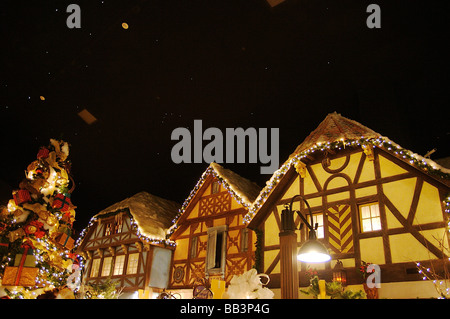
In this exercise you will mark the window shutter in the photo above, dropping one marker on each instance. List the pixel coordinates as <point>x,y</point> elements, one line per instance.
<point>194,245</point>
<point>211,254</point>
<point>244,239</point>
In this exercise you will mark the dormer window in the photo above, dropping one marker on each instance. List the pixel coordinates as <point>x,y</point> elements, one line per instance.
<point>108,229</point>
<point>114,226</point>
<point>118,223</point>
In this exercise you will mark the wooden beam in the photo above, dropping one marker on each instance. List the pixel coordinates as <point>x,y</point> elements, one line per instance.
<point>266,208</point>
<point>420,238</point>
<point>314,178</point>
<point>415,200</point>
<point>112,250</point>
<point>381,205</point>
<point>404,163</point>
<point>275,261</point>
<point>360,167</point>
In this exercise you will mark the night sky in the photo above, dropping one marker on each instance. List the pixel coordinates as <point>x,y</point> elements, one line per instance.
<point>228,63</point>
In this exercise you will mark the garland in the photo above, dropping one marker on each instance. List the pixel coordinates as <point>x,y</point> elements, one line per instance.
<point>259,250</point>
<point>209,171</point>
<point>420,162</point>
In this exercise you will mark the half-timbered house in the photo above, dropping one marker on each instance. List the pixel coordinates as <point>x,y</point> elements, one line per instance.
<point>211,239</point>
<point>126,242</point>
<point>373,201</point>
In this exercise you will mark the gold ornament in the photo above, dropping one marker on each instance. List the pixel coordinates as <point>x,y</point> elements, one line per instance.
<point>368,150</point>
<point>300,167</point>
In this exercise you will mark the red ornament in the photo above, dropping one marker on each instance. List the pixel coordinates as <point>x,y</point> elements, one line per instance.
<point>35,228</point>
<point>43,153</point>
<point>61,202</point>
<point>21,196</point>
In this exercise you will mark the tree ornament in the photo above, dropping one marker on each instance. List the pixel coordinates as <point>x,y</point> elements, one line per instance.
<point>43,153</point>
<point>21,196</point>
<point>40,206</point>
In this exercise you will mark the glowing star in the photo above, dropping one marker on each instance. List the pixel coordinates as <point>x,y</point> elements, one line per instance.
<point>124,25</point>
<point>42,98</point>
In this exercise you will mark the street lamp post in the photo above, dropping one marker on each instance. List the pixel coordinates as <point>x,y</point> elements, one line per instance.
<point>311,251</point>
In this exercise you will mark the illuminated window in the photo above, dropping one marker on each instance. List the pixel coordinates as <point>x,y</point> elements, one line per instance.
<point>370,217</point>
<point>318,218</point>
<point>95,267</point>
<point>106,269</point>
<point>132,266</point>
<point>118,265</point>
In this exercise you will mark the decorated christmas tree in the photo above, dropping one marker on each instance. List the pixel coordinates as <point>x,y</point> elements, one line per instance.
<point>36,229</point>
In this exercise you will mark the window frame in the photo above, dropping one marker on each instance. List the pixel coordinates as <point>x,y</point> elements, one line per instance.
<point>321,225</point>
<point>95,267</point>
<point>115,268</point>
<point>104,265</point>
<point>113,225</point>
<point>371,218</point>
<point>127,271</point>
<point>211,266</point>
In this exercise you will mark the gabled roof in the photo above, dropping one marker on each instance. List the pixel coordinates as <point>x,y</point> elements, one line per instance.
<point>241,189</point>
<point>151,214</point>
<point>337,132</point>
<point>335,128</point>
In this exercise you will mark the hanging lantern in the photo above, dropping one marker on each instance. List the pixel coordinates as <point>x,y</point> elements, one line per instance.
<point>339,273</point>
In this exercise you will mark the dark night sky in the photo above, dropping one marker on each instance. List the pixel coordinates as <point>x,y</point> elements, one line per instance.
<point>229,63</point>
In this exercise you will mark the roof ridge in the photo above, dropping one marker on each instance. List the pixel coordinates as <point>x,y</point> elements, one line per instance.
<point>246,189</point>
<point>335,127</point>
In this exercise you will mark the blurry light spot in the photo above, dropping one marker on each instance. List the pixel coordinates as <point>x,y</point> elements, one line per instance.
<point>87,117</point>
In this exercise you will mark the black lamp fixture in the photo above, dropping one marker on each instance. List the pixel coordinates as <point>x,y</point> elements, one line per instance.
<point>339,273</point>
<point>312,251</point>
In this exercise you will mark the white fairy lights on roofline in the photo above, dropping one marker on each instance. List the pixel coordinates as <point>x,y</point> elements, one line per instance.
<point>382,142</point>
<point>239,197</point>
<point>134,225</point>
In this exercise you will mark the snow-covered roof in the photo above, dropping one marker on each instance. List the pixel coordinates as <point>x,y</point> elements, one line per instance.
<point>246,190</point>
<point>152,215</point>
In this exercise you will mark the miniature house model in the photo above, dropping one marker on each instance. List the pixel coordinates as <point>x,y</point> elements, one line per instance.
<point>212,240</point>
<point>372,200</point>
<point>127,243</point>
